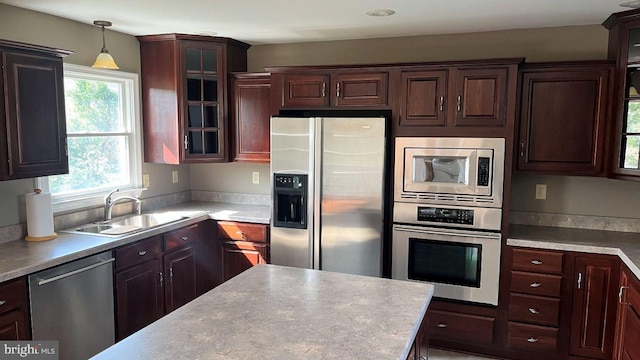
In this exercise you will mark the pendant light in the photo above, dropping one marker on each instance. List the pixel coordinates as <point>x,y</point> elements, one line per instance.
<point>104,59</point>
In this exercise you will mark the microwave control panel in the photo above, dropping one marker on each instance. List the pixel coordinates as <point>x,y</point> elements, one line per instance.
<point>444,215</point>
<point>483,171</point>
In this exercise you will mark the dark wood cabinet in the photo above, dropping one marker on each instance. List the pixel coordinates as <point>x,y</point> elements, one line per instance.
<point>564,110</point>
<point>480,96</point>
<point>184,96</point>
<point>250,115</point>
<point>14,311</point>
<point>139,297</point>
<point>316,88</point>
<point>459,327</point>
<point>594,306</point>
<point>33,139</point>
<point>243,245</point>
<point>627,345</point>
<point>423,97</point>
<point>180,269</point>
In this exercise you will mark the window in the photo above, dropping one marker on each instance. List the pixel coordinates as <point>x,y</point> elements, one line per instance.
<point>103,137</point>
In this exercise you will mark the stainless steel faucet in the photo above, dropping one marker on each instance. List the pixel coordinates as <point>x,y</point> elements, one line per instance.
<point>109,203</point>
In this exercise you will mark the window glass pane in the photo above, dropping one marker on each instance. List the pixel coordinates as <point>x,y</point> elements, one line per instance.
<point>94,162</point>
<point>93,106</point>
<point>211,142</point>
<point>194,91</point>
<point>210,89</point>
<point>633,117</point>
<point>195,116</point>
<point>211,116</point>
<point>631,152</point>
<point>193,59</point>
<point>195,142</point>
<point>210,60</point>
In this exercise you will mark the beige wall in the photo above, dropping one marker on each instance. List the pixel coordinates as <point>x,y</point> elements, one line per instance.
<point>85,41</point>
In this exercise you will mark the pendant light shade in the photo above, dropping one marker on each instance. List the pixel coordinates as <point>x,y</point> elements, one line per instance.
<point>104,59</point>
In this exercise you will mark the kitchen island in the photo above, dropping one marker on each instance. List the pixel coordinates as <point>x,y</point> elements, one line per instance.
<point>277,312</point>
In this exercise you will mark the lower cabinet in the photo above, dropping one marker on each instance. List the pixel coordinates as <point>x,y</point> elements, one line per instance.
<point>627,346</point>
<point>465,328</point>
<point>180,268</point>
<point>14,318</point>
<point>243,246</point>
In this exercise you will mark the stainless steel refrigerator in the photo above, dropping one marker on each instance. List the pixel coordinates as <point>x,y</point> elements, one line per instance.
<point>327,177</point>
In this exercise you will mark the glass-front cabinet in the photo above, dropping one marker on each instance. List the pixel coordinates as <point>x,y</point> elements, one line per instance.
<point>184,96</point>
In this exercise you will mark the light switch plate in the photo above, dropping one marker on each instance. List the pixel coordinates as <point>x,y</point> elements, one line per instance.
<point>145,181</point>
<point>541,191</point>
<point>174,176</point>
<point>256,177</point>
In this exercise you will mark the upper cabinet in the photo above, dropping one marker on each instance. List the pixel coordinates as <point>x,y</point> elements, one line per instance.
<point>33,140</point>
<point>563,112</point>
<point>624,42</point>
<point>184,95</point>
<point>250,114</point>
<point>435,98</point>
<point>310,88</point>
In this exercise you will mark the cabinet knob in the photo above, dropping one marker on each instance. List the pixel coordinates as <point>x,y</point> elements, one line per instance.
<point>442,325</point>
<point>185,238</point>
<point>535,285</point>
<point>2,302</point>
<point>239,232</point>
<point>532,340</point>
<point>536,262</point>
<point>142,252</point>
<point>533,311</point>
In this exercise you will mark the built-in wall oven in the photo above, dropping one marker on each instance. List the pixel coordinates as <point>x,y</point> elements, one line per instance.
<point>447,215</point>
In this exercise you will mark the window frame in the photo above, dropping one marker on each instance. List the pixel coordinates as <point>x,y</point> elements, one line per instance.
<point>130,110</point>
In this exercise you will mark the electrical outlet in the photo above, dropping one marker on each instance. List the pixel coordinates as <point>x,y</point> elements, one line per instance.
<point>145,181</point>
<point>174,176</point>
<point>541,192</point>
<point>256,177</point>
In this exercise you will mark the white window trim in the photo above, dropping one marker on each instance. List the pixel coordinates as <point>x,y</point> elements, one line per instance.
<point>131,106</point>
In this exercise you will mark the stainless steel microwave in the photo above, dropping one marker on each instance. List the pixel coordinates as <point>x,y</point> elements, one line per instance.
<point>454,171</point>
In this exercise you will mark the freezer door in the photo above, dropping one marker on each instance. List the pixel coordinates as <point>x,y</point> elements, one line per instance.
<point>352,188</point>
<point>291,153</point>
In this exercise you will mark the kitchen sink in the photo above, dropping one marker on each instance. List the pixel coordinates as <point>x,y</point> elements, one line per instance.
<point>125,225</point>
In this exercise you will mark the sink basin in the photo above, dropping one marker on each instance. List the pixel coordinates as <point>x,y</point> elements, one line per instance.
<point>125,225</point>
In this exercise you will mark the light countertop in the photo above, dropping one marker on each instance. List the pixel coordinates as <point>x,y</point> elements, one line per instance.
<point>18,258</point>
<point>626,245</point>
<point>277,312</point>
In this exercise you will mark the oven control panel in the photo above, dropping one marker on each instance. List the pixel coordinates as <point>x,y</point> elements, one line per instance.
<point>445,215</point>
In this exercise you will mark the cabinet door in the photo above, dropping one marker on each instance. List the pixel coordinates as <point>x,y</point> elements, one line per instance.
<point>423,98</point>
<point>305,91</point>
<point>594,306</point>
<point>180,270</point>
<point>139,297</point>
<point>203,95</point>
<point>562,119</point>
<point>250,113</point>
<point>238,256</point>
<point>14,326</point>
<point>628,323</point>
<point>36,127</point>
<point>360,89</point>
<point>479,97</point>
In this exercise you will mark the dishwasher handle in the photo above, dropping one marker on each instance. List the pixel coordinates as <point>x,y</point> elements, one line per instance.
<point>74,272</point>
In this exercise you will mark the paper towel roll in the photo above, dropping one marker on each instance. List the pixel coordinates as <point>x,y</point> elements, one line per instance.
<point>39,216</point>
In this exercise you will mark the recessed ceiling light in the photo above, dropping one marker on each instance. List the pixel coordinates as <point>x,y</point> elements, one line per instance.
<point>387,12</point>
<point>634,4</point>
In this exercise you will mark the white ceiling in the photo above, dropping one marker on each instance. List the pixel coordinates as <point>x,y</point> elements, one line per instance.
<point>285,21</point>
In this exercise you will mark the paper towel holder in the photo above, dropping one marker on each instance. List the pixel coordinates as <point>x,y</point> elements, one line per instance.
<point>39,238</point>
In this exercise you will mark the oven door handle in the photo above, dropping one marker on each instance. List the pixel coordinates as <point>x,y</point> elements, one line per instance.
<point>447,233</point>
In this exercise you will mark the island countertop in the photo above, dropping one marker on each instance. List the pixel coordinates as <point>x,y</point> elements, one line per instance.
<point>277,312</point>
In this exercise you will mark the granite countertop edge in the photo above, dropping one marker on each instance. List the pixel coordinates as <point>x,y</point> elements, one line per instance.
<point>625,245</point>
<point>19,258</point>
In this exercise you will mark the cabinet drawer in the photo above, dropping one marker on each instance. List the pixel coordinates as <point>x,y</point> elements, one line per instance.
<point>532,337</point>
<point>460,327</point>
<point>242,231</point>
<point>534,309</point>
<point>181,238</point>
<point>536,284</point>
<point>537,261</point>
<point>13,295</point>
<point>138,252</point>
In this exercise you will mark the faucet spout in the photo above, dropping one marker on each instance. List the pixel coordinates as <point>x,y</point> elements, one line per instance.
<point>109,203</point>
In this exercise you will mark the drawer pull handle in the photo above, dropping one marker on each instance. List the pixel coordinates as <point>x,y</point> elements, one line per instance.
<point>535,285</point>
<point>185,238</point>
<point>619,295</point>
<point>2,302</point>
<point>239,232</point>
<point>536,262</point>
<point>442,325</point>
<point>533,311</point>
<point>142,253</point>
<point>532,340</point>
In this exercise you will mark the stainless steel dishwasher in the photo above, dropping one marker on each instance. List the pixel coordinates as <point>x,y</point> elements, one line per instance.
<point>73,304</point>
